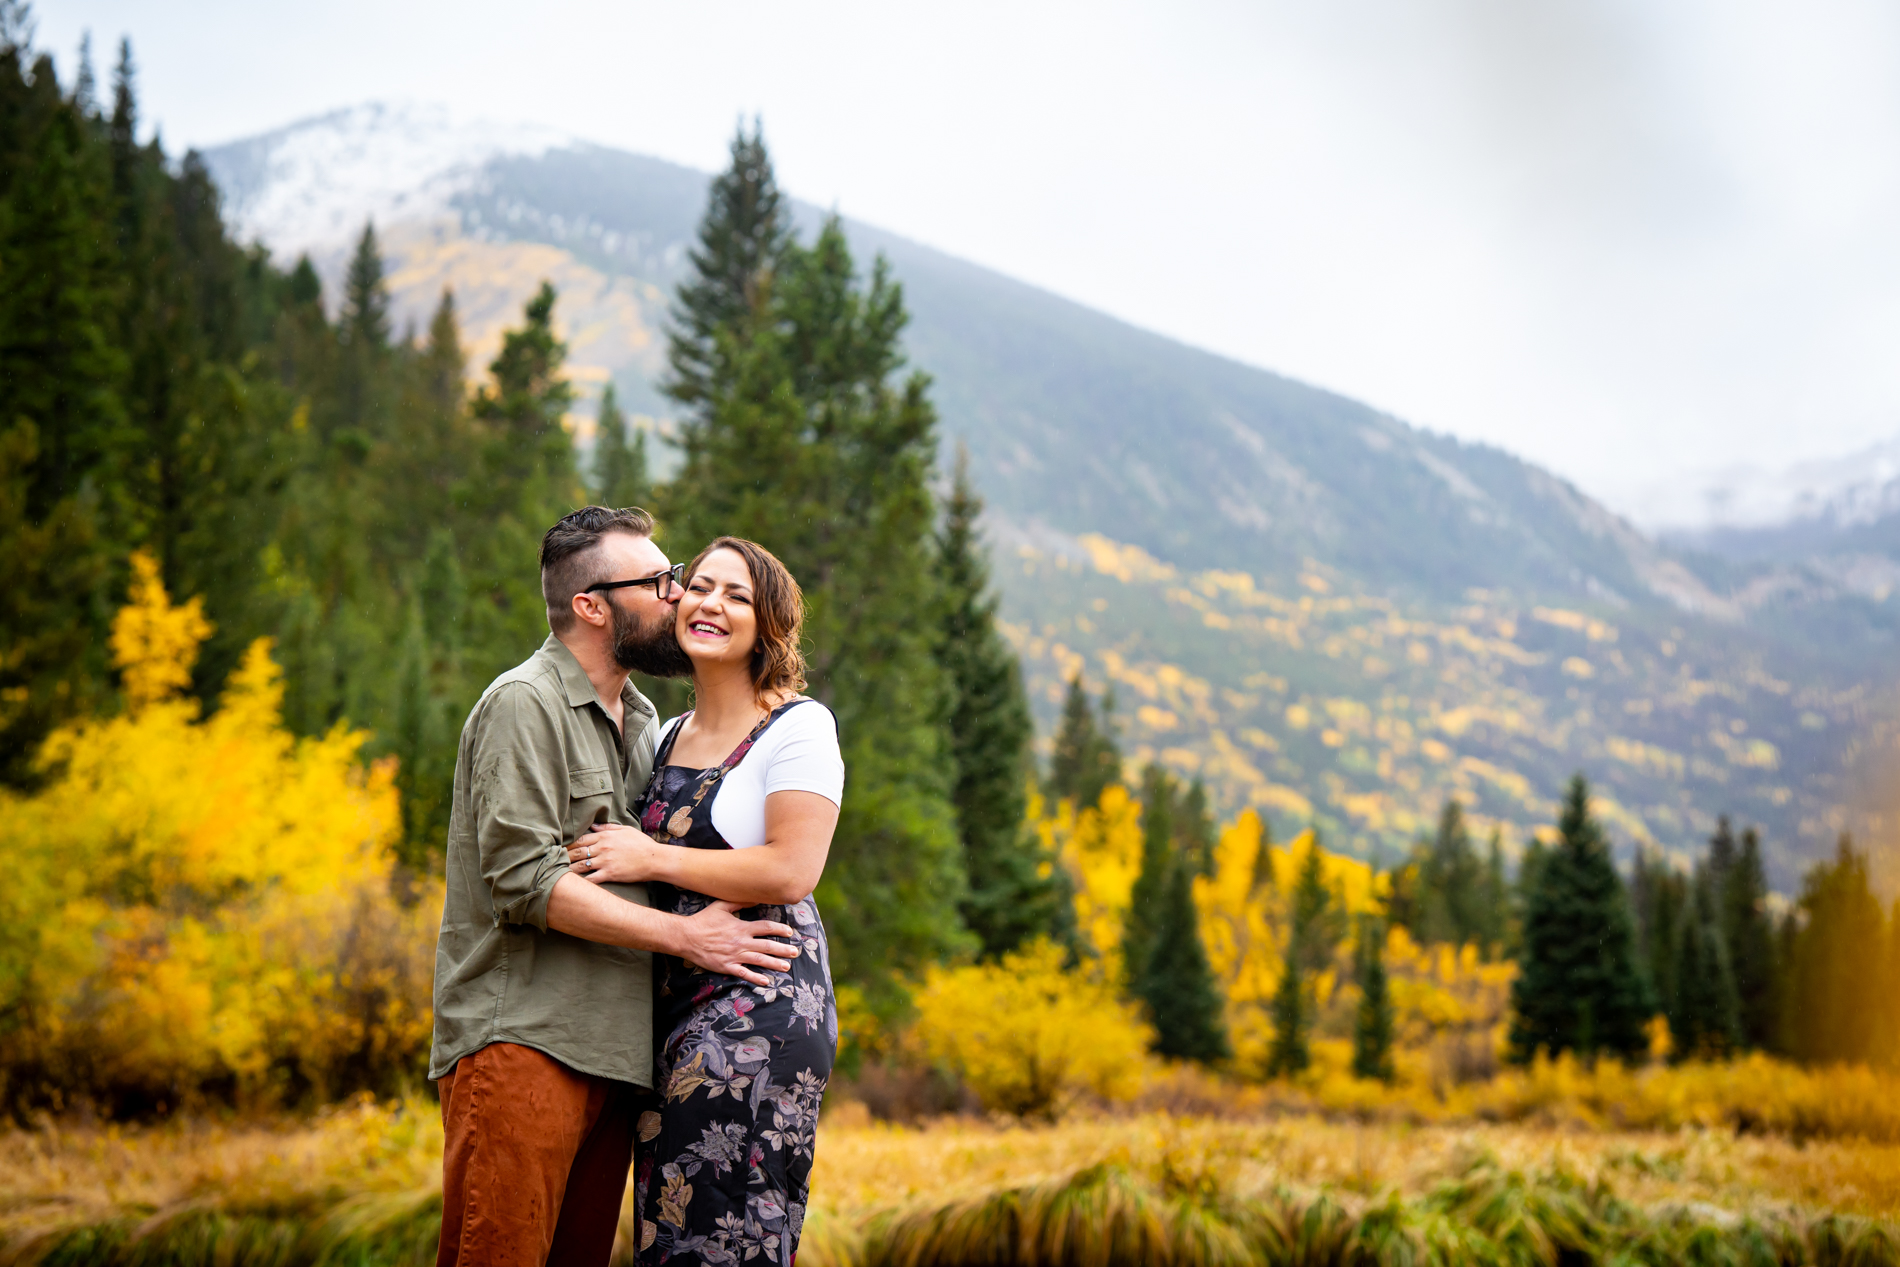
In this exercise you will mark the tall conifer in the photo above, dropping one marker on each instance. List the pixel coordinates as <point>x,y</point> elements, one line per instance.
<point>1086,760</point>
<point>1579,987</point>
<point>1373,1019</point>
<point>1015,893</point>
<point>1704,1017</point>
<point>1177,983</point>
<point>1748,930</point>
<point>1143,917</point>
<point>620,467</point>
<point>1308,947</point>
<point>804,435</point>
<point>742,240</point>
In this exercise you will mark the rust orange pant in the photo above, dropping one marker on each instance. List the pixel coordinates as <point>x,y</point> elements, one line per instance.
<point>534,1160</point>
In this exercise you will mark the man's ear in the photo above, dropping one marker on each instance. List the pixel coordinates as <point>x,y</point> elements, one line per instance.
<point>590,609</point>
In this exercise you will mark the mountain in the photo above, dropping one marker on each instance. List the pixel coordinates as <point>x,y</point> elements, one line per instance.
<point>1326,612</point>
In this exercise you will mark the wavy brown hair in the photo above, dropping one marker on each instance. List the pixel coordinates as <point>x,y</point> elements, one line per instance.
<point>778,662</point>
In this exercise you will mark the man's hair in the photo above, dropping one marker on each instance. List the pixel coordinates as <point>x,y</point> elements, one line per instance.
<point>778,661</point>
<point>570,555</point>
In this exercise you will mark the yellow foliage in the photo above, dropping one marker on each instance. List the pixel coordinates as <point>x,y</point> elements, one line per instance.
<point>205,901</point>
<point>1101,847</point>
<point>154,644</point>
<point>1245,922</point>
<point>1028,1037</point>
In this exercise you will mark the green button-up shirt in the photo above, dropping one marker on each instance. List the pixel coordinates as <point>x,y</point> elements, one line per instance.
<point>539,762</point>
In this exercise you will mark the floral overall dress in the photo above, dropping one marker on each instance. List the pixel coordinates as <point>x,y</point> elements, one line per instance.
<point>722,1171</point>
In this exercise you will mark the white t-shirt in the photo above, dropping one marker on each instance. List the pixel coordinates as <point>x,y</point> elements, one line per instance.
<point>797,753</point>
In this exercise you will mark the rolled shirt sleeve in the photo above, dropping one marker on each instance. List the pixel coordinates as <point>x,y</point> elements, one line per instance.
<point>520,798</point>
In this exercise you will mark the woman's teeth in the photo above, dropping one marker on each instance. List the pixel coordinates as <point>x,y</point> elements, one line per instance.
<point>710,631</point>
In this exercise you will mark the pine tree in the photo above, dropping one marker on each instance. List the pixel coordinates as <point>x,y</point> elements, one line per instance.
<point>365,321</point>
<point>1659,895</point>
<point>1194,828</point>
<point>1748,931</point>
<point>742,242</point>
<point>1703,1015</point>
<point>1015,893</point>
<point>1579,987</point>
<point>1178,984</point>
<point>1263,857</point>
<point>804,435</point>
<point>1308,948</point>
<point>62,421</point>
<point>1373,1021</point>
<point>1142,920</point>
<point>1494,928</point>
<point>1442,893</point>
<point>620,468</point>
<point>1086,760</point>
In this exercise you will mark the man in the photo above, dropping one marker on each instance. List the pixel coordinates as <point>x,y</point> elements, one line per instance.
<point>543,984</point>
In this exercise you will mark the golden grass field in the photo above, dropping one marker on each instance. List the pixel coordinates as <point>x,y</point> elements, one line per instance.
<point>366,1175</point>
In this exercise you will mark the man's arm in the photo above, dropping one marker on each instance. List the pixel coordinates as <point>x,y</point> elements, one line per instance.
<point>715,939</point>
<point>521,790</point>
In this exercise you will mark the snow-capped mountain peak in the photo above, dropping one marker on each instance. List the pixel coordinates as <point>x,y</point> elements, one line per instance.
<point>309,187</point>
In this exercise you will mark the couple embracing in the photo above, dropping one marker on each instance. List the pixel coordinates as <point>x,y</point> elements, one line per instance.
<point>631,968</point>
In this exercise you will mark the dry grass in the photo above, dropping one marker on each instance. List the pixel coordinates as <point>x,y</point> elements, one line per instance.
<point>864,1166</point>
<point>302,1191</point>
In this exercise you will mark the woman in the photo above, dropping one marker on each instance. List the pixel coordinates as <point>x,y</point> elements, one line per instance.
<point>741,807</point>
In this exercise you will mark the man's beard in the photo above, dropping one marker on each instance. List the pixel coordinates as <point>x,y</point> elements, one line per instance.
<point>653,650</point>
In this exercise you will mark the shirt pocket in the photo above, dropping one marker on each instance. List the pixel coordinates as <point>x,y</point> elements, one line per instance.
<point>589,792</point>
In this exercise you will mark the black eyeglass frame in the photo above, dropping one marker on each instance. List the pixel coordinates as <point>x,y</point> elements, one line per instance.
<point>677,573</point>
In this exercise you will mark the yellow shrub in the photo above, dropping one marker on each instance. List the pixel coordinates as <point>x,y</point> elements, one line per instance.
<point>203,902</point>
<point>1030,1038</point>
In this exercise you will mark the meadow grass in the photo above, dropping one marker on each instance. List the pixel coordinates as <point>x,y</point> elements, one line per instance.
<point>359,1184</point>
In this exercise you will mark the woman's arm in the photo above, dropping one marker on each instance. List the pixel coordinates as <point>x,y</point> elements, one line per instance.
<point>798,828</point>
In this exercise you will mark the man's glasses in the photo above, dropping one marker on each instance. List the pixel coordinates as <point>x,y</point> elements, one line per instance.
<point>676,575</point>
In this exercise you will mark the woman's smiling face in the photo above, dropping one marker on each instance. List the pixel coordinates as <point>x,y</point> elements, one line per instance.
<point>716,621</point>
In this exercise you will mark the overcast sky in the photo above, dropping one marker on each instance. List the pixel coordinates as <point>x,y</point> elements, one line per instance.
<point>1619,237</point>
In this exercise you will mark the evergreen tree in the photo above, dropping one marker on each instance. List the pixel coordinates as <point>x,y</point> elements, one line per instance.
<point>1086,760</point>
<point>1142,921</point>
<point>620,468</point>
<point>1659,895</point>
<point>1179,988</point>
<point>1703,1013</point>
<point>1444,892</point>
<point>803,436</point>
<point>1580,986</point>
<point>1308,949</point>
<point>1263,857</point>
<point>1494,927</point>
<point>62,419</point>
<point>1748,932</point>
<point>1373,1021</point>
<point>1194,828</point>
<point>742,242</point>
<point>1015,892</point>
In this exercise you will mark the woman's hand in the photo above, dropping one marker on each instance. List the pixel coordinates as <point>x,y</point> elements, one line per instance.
<point>613,853</point>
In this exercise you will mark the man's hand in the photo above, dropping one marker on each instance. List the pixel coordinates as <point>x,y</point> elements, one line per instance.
<point>719,941</point>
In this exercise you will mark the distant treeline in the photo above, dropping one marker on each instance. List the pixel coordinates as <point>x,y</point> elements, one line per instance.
<point>1708,951</point>
<point>315,476</point>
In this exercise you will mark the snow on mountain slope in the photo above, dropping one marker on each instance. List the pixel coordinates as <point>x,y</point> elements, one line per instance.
<point>309,187</point>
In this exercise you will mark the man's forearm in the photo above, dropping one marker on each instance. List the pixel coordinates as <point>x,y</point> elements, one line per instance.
<point>580,909</point>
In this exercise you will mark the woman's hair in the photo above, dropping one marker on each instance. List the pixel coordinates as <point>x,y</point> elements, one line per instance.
<point>778,664</point>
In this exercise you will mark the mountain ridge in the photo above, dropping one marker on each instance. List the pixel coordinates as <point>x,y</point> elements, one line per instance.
<point>1394,577</point>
